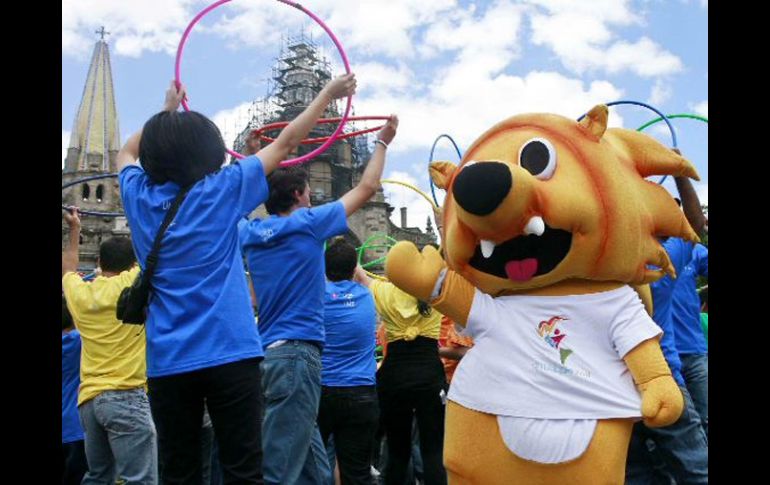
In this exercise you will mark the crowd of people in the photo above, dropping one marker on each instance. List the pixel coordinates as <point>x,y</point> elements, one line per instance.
<point>272,378</point>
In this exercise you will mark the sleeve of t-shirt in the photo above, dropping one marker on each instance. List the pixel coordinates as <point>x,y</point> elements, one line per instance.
<point>131,179</point>
<point>679,252</point>
<point>243,231</point>
<point>482,313</point>
<point>327,220</point>
<point>702,254</point>
<point>247,177</point>
<point>72,284</point>
<point>632,325</point>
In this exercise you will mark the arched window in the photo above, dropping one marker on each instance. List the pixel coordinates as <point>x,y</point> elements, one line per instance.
<point>86,192</point>
<point>99,193</point>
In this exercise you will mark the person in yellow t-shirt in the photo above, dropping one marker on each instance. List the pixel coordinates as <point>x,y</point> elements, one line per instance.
<point>411,381</point>
<point>120,436</point>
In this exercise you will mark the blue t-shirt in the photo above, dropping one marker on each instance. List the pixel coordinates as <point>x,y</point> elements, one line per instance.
<point>351,324</point>
<point>662,295</point>
<point>286,263</point>
<point>200,311</point>
<point>686,304</point>
<point>70,380</point>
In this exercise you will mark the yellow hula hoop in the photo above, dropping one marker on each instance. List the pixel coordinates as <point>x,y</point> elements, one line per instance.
<point>410,186</point>
<point>375,276</point>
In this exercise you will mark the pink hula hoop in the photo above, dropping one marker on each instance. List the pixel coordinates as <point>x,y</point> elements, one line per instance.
<point>333,137</point>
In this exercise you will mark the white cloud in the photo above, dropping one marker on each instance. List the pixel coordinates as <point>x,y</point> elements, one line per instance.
<point>382,77</point>
<point>660,93</point>
<point>372,27</point>
<point>465,111</point>
<point>701,108</point>
<point>135,26</point>
<point>580,34</point>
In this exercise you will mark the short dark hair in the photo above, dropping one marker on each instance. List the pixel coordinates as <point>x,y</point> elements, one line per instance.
<point>66,316</point>
<point>341,260</point>
<point>182,147</point>
<point>283,182</point>
<point>116,254</point>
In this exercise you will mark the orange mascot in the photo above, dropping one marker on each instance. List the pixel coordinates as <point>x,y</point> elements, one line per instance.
<point>551,236</point>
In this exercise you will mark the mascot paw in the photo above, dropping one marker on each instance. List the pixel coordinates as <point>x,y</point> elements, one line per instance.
<point>412,271</point>
<point>662,402</point>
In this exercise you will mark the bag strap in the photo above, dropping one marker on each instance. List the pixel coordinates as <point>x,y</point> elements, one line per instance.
<point>152,258</point>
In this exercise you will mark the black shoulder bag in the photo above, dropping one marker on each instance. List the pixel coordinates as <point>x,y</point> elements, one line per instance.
<point>133,300</point>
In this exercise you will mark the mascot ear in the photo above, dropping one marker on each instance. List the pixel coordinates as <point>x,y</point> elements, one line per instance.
<point>441,173</point>
<point>595,121</point>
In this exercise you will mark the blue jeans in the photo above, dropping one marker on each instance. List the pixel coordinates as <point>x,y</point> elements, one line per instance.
<point>695,370</point>
<point>291,382</point>
<point>682,446</point>
<point>120,438</point>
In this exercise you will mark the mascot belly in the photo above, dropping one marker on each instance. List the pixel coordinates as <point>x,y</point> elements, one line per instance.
<point>549,224</point>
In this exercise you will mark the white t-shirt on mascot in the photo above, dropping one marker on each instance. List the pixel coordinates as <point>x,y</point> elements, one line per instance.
<point>550,366</point>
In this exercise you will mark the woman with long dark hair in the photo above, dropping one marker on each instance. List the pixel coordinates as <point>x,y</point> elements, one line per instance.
<point>202,342</point>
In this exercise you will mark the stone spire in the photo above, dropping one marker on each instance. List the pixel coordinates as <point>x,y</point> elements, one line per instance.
<point>95,139</point>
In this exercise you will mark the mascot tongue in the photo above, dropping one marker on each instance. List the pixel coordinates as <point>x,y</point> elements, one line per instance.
<point>522,270</point>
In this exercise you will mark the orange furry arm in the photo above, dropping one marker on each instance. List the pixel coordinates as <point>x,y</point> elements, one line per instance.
<point>456,298</point>
<point>662,401</point>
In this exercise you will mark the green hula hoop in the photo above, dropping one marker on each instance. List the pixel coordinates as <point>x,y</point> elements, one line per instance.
<point>683,115</point>
<point>366,245</point>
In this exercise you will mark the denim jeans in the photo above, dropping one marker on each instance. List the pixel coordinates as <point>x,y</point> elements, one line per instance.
<point>695,370</point>
<point>351,416</point>
<point>232,394</point>
<point>120,438</point>
<point>682,445</point>
<point>293,450</point>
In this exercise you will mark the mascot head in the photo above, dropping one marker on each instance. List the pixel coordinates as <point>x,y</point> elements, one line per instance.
<point>540,198</point>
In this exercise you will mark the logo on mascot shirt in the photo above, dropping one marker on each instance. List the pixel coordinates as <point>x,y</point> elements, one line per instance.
<point>554,336</point>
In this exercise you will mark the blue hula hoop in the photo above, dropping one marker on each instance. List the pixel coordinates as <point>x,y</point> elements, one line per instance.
<point>645,105</point>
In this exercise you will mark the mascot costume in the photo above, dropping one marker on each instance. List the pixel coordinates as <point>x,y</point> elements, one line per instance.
<point>547,221</point>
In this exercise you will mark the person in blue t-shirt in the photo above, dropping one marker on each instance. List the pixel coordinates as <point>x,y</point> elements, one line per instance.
<point>349,408</point>
<point>74,464</point>
<point>679,450</point>
<point>284,253</point>
<point>690,340</point>
<point>201,339</point>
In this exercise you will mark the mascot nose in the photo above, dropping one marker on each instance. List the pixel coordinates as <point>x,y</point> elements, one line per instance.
<point>480,187</point>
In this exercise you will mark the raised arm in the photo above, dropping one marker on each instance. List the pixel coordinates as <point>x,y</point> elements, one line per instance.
<point>691,204</point>
<point>360,277</point>
<point>356,197</point>
<point>129,153</point>
<point>298,129</point>
<point>70,257</point>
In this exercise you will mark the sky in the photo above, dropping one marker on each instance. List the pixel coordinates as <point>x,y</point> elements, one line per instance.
<point>444,66</point>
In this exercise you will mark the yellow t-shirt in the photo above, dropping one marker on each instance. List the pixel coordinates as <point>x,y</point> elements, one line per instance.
<point>398,310</point>
<point>112,353</point>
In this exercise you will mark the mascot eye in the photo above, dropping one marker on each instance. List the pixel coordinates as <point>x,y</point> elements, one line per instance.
<point>538,157</point>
